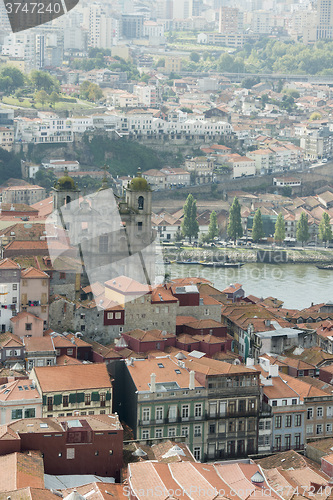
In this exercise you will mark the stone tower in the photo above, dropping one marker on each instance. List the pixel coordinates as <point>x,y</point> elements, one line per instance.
<point>64,191</point>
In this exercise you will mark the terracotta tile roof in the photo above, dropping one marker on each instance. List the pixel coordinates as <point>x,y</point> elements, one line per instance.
<point>161,449</point>
<point>68,360</point>
<point>164,368</point>
<point>6,433</point>
<point>148,336</point>
<point>204,323</point>
<point>285,460</point>
<point>39,344</point>
<point>186,339</point>
<point>210,366</point>
<point>8,264</point>
<point>161,294</point>
<point>232,288</point>
<point>78,341</point>
<point>209,339</point>
<point>126,285</point>
<point>19,390</point>
<point>8,339</point>
<point>313,355</point>
<point>72,377</point>
<point>23,314</point>
<point>19,470</point>
<point>95,491</point>
<point>32,272</point>
<point>29,493</point>
<point>181,320</point>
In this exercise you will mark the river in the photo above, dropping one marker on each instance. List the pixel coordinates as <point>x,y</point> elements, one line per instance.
<point>298,285</point>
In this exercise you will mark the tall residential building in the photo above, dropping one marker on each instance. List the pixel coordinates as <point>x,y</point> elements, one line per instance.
<point>231,20</point>
<point>324,19</point>
<point>132,25</point>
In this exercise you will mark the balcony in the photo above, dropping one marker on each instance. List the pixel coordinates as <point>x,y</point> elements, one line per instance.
<point>231,414</point>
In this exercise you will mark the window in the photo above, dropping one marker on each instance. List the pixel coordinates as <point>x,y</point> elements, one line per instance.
<point>16,414</point>
<point>139,226</point>
<point>329,428</point>
<point>206,312</point>
<point>109,315</point>
<point>288,420</point>
<point>330,411</point>
<point>15,286</point>
<point>14,300</point>
<point>287,441</point>
<point>294,401</point>
<point>319,429</point>
<point>65,400</point>
<point>30,413</point>
<point>197,452</point>
<point>28,327</point>
<point>198,409</point>
<point>69,352</point>
<point>145,434</point>
<point>158,433</point>
<point>62,276</point>
<point>197,430</point>
<point>278,421</point>
<point>274,402</point>
<point>185,431</point>
<point>309,429</point>
<point>185,411</point>
<point>70,453</point>
<point>320,412</point>
<point>284,402</point>
<point>267,424</point>
<point>297,441</point>
<point>117,315</point>
<point>171,432</point>
<point>140,202</point>
<point>104,243</point>
<point>96,453</point>
<point>159,413</point>
<point>87,399</point>
<point>310,414</point>
<point>277,443</point>
<point>146,414</point>
<point>298,420</point>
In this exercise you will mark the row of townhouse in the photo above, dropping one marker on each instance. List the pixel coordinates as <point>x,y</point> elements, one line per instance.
<point>57,391</point>
<point>23,290</point>
<point>211,405</point>
<point>296,410</point>
<point>119,307</point>
<point>50,128</point>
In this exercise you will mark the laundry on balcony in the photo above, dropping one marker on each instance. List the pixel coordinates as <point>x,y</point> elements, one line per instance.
<point>34,303</point>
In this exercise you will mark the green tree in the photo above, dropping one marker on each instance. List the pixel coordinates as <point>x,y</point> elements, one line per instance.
<point>213,228</point>
<point>195,57</point>
<point>190,226</point>
<point>16,76</point>
<point>42,97</point>
<point>315,116</point>
<point>178,235</point>
<point>90,91</point>
<point>234,228</point>
<point>54,98</point>
<point>280,231</point>
<point>325,230</point>
<point>41,80</point>
<point>302,231</point>
<point>257,228</point>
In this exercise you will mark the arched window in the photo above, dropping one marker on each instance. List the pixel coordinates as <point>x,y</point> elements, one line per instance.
<point>140,202</point>
<point>67,201</point>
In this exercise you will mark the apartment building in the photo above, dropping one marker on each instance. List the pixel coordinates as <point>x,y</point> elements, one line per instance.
<point>10,277</point>
<point>28,194</point>
<point>74,390</point>
<point>34,291</point>
<point>213,406</point>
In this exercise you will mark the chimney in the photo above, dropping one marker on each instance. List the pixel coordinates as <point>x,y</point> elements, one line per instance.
<point>191,384</point>
<point>153,382</point>
<point>273,370</point>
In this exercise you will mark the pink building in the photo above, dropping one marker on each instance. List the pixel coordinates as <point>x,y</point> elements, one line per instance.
<point>25,323</point>
<point>35,293</point>
<point>19,399</point>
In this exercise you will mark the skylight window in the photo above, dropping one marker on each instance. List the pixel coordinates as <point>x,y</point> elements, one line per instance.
<point>160,365</point>
<point>178,372</point>
<point>20,388</point>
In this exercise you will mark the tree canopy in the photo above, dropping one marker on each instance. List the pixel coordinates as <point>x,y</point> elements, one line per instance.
<point>258,228</point>
<point>325,231</point>
<point>280,231</point>
<point>235,229</point>
<point>302,231</point>
<point>190,226</point>
<point>213,228</point>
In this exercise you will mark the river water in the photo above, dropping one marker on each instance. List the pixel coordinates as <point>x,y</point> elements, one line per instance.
<point>298,285</point>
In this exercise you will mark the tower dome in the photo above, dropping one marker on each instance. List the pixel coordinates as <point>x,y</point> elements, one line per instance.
<point>138,183</point>
<point>65,183</point>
